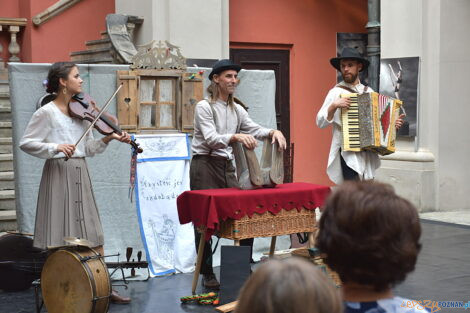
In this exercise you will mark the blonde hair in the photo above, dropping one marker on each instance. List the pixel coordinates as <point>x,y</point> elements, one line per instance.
<point>292,285</point>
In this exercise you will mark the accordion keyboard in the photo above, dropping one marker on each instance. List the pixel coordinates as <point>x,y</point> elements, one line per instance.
<point>350,122</point>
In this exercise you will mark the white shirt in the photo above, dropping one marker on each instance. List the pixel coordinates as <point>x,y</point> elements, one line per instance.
<point>364,162</point>
<point>49,127</point>
<point>213,137</point>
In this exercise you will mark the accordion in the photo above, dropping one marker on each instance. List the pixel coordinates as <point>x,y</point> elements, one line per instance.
<point>369,123</point>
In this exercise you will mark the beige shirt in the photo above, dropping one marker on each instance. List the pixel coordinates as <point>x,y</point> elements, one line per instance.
<point>364,162</point>
<point>212,135</point>
<point>49,127</point>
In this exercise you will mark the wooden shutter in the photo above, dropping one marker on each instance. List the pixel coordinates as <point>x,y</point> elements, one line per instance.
<point>128,100</point>
<point>192,93</point>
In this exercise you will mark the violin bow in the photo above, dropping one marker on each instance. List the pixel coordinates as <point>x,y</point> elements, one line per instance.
<point>97,117</point>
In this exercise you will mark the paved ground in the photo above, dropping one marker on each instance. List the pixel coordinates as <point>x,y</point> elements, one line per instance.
<point>442,274</point>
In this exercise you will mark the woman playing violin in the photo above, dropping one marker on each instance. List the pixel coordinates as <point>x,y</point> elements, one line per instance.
<point>66,204</point>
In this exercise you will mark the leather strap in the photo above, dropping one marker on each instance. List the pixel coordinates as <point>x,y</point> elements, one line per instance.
<point>350,89</point>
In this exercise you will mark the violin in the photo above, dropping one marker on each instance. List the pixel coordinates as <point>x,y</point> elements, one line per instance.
<point>81,106</point>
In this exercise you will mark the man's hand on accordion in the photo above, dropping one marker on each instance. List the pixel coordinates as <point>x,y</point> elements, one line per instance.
<point>400,120</point>
<point>338,103</point>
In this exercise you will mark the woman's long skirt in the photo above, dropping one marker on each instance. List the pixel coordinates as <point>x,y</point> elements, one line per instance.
<point>66,205</point>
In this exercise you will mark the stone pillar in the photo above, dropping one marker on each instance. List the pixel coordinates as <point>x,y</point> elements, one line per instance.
<point>373,43</point>
<point>2,65</point>
<point>14,47</point>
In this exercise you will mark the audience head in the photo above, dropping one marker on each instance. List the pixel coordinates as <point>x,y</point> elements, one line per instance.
<point>370,236</point>
<point>289,286</point>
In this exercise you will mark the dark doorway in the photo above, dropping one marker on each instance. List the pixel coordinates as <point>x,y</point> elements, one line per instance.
<point>278,61</point>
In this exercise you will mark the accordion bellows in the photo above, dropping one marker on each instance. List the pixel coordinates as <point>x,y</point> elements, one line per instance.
<point>369,123</point>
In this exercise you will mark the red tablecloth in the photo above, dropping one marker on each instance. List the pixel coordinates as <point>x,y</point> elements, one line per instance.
<point>208,207</point>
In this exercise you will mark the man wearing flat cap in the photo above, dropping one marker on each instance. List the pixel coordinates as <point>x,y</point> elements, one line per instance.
<point>347,165</point>
<point>218,122</point>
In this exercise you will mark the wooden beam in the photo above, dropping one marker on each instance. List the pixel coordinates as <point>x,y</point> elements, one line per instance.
<point>229,307</point>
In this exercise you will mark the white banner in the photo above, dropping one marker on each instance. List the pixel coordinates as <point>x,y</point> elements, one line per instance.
<point>162,175</point>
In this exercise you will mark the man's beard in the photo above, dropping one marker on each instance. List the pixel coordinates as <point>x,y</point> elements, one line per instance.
<point>350,79</point>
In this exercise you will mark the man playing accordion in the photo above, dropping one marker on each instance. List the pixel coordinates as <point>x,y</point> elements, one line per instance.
<point>347,165</point>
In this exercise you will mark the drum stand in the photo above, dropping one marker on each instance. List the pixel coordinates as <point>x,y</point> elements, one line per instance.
<point>37,298</point>
<point>129,265</point>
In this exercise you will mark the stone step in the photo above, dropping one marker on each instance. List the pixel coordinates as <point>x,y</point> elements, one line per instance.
<point>7,200</point>
<point>4,73</point>
<point>4,95</point>
<point>6,145</point>
<point>5,129</point>
<point>82,56</point>
<point>104,34</point>
<point>6,162</point>
<point>5,107</point>
<point>5,104</point>
<point>7,180</point>
<point>7,194</point>
<point>99,44</point>
<point>100,60</point>
<point>5,116</point>
<point>7,215</point>
<point>8,220</point>
<point>4,86</point>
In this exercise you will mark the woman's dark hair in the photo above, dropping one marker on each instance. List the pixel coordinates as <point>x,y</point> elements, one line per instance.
<point>58,70</point>
<point>369,235</point>
<point>289,286</point>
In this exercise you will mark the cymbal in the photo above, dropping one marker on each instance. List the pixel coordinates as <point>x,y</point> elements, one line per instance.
<point>78,241</point>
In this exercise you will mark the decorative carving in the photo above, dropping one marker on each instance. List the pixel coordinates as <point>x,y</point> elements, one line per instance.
<point>157,55</point>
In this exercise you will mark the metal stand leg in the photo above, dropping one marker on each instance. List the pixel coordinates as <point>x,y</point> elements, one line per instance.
<point>273,246</point>
<point>311,240</point>
<point>38,300</point>
<point>200,252</point>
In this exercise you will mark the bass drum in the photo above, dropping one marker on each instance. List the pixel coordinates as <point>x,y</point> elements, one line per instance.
<point>75,280</point>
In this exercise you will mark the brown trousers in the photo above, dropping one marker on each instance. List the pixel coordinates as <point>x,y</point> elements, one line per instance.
<point>211,172</point>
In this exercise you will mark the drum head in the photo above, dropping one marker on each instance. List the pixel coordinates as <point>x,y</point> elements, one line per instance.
<point>66,284</point>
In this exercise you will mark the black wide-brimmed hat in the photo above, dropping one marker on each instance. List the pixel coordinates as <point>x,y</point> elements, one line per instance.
<point>349,54</point>
<point>223,65</point>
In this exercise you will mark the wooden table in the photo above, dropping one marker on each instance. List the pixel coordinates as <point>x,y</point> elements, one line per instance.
<point>239,214</point>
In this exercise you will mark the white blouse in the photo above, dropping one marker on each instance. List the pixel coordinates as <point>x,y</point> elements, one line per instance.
<point>50,127</point>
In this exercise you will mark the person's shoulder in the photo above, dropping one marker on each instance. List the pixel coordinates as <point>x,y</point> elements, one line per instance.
<point>335,91</point>
<point>239,107</point>
<point>46,109</point>
<point>203,104</point>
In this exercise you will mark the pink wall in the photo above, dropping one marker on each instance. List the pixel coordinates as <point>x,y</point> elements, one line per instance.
<point>310,27</point>
<point>56,38</point>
